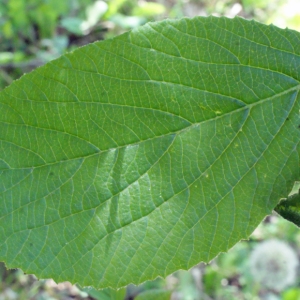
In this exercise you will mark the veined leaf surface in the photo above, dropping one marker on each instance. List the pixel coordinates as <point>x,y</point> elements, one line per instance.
<point>137,156</point>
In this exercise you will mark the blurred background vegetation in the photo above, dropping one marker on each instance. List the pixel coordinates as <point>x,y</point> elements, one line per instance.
<point>33,32</point>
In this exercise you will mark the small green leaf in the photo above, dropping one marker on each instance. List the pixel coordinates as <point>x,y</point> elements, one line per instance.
<point>134,157</point>
<point>289,208</point>
<point>106,294</point>
<point>157,294</point>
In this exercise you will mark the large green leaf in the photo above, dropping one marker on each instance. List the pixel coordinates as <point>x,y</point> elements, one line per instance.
<point>148,153</point>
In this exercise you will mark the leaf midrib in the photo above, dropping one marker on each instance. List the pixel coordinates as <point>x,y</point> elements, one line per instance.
<point>248,106</point>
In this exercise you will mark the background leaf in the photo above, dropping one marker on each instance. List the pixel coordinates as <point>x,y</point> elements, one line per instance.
<point>106,294</point>
<point>158,294</point>
<point>289,208</point>
<point>137,156</point>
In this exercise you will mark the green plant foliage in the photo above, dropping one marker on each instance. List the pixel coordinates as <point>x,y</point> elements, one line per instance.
<point>134,157</point>
<point>106,294</point>
<point>293,294</point>
<point>158,294</point>
<point>289,208</point>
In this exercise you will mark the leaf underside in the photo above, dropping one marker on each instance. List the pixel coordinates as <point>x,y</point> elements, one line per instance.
<point>137,156</point>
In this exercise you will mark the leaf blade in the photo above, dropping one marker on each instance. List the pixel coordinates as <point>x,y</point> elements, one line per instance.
<point>150,152</point>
